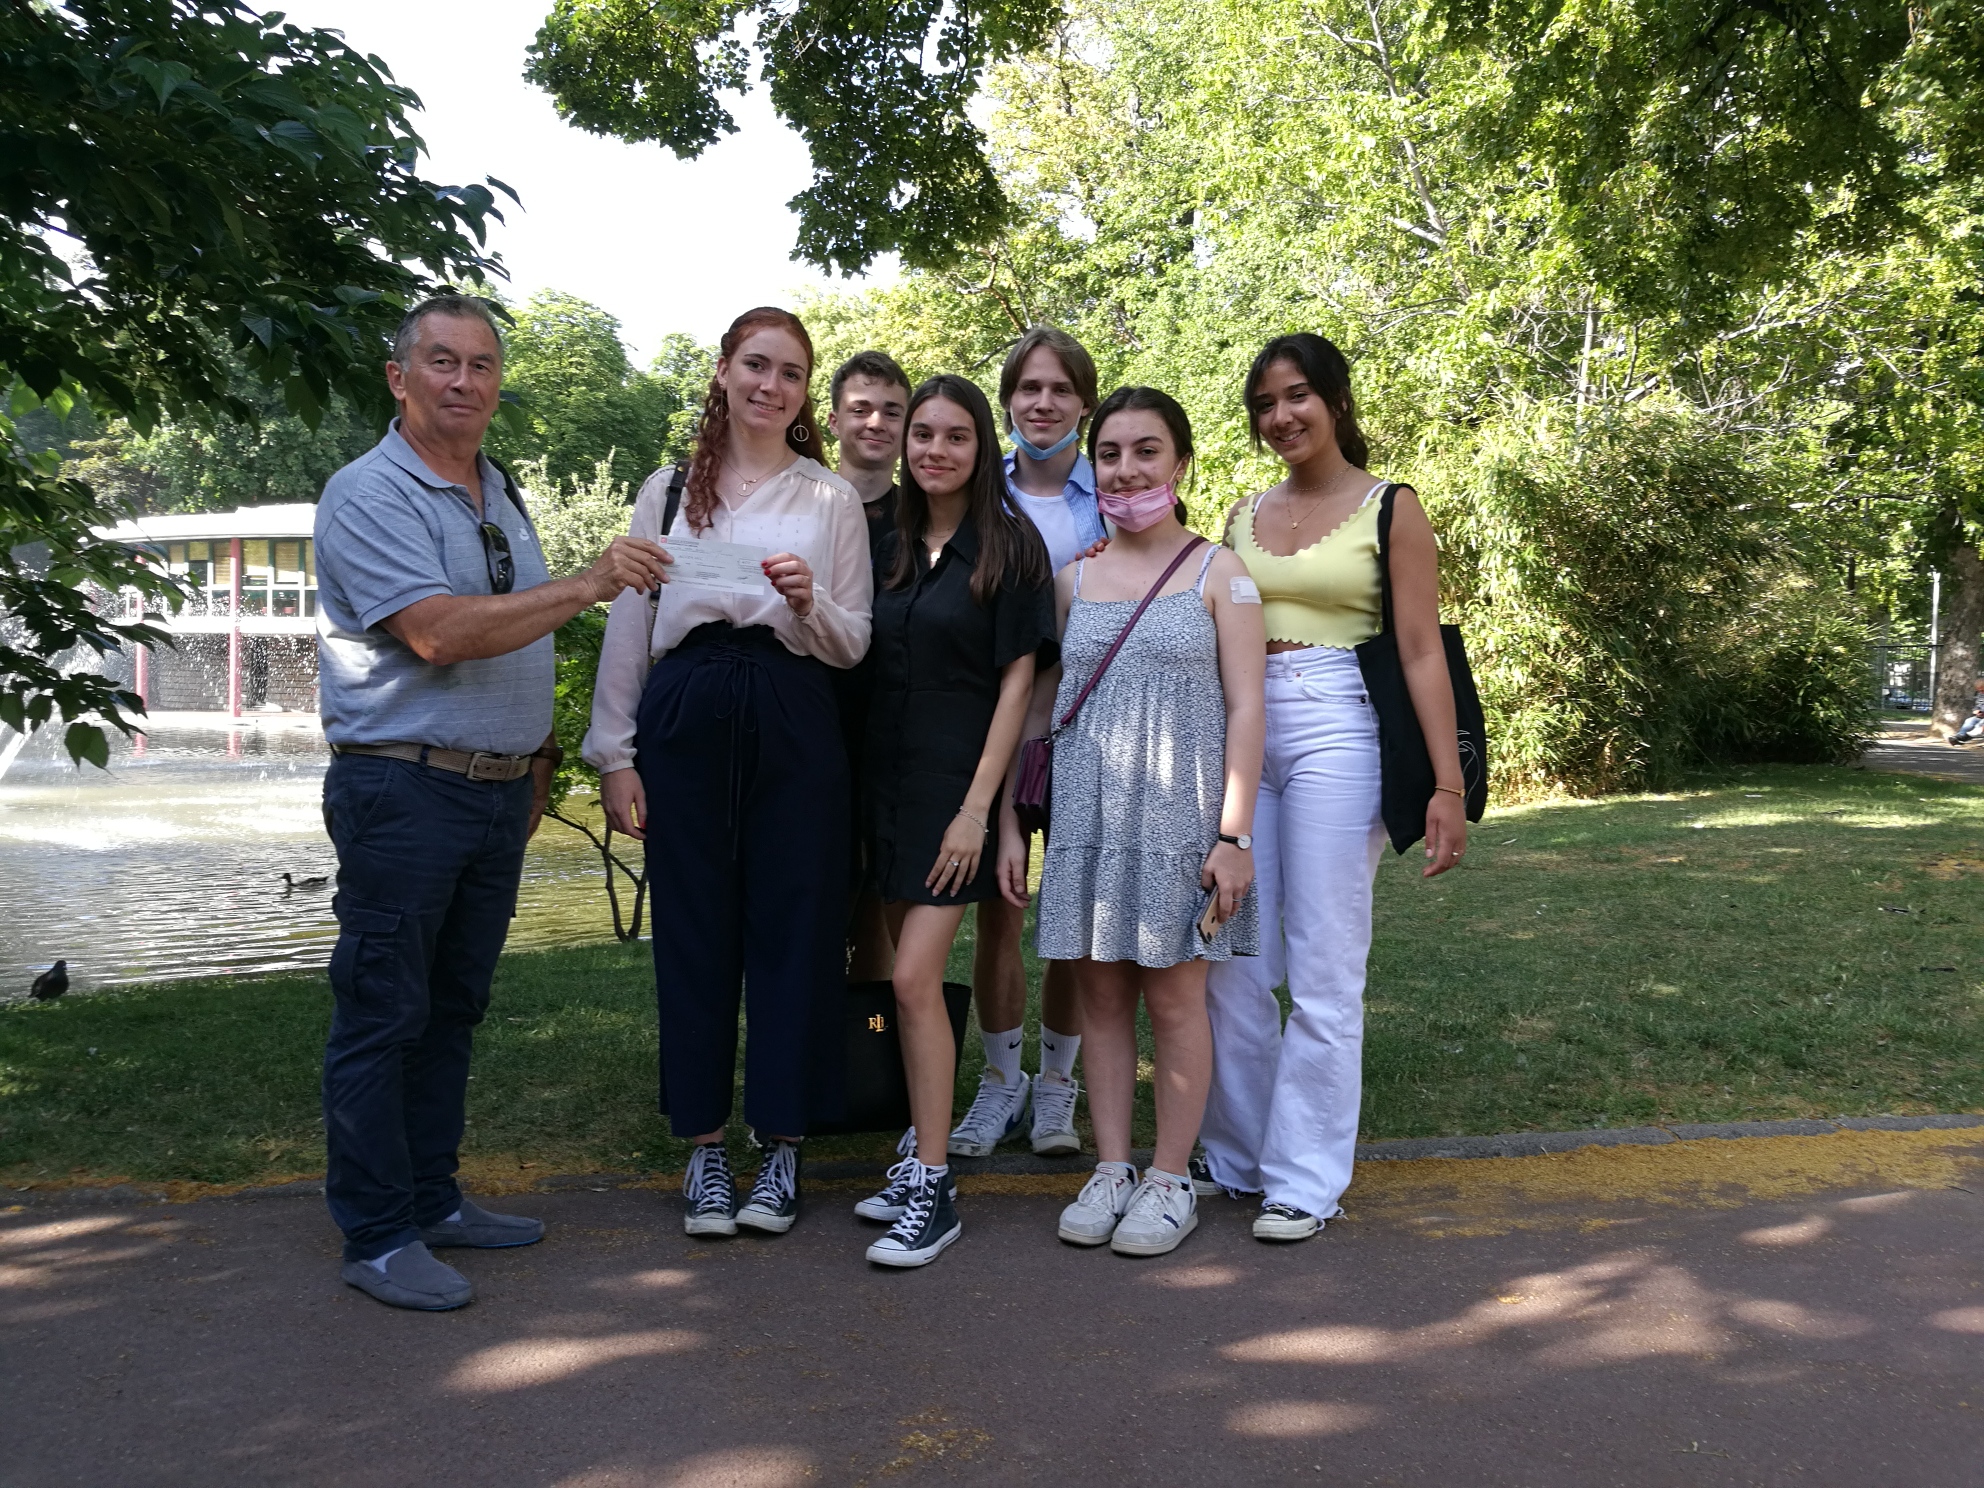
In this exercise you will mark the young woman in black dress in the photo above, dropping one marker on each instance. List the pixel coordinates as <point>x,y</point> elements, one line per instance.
<point>964,612</point>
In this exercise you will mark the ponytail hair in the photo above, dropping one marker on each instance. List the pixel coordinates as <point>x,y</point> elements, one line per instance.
<point>713,428</point>
<point>1326,370</point>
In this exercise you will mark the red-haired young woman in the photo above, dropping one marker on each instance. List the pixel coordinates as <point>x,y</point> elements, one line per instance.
<point>717,740</point>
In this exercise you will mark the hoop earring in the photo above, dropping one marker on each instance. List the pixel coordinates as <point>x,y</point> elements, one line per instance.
<point>799,433</point>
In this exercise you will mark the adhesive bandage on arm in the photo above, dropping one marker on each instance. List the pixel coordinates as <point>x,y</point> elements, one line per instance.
<point>1244,591</point>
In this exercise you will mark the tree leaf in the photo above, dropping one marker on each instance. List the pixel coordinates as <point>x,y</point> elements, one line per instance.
<point>87,742</point>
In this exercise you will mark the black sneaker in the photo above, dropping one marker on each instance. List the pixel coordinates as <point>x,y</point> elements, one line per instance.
<point>1200,1172</point>
<point>774,1201</point>
<point>1285,1222</point>
<point>710,1192</point>
<point>929,1221</point>
<point>887,1205</point>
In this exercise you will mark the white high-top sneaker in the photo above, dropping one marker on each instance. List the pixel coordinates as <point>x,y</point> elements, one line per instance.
<point>1162,1212</point>
<point>1054,1132</point>
<point>997,1111</point>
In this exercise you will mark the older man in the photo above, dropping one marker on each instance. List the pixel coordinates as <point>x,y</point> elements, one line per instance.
<point>435,615</point>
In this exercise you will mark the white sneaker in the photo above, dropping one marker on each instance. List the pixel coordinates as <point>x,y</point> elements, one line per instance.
<point>1092,1218</point>
<point>996,1113</point>
<point>1054,1115</point>
<point>1162,1212</point>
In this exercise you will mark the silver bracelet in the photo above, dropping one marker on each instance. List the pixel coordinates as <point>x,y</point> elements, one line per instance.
<point>975,819</point>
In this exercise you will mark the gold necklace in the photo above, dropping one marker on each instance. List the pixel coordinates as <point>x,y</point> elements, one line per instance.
<point>745,483</point>
<point>1295,521</point>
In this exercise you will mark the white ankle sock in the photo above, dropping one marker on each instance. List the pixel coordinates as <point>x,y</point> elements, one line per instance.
<point>1057,1052</point>
<point>1002,1053</point>
<point>452,1217</point>
<point>378,1263</point>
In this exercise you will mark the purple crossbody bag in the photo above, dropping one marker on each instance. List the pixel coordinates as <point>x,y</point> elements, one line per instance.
<point>1033,787</point>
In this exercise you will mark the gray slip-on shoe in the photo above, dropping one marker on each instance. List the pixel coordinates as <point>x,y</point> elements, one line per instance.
<point>477,1227</point>
<point>412,1278</point>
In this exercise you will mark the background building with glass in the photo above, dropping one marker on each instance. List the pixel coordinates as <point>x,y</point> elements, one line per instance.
<point>245,638</point>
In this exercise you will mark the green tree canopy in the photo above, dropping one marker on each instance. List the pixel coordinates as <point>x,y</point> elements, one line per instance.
<point>880,90</point>
<point>580,398</point>
<point>182,179</point>
<point>217,464</point>
<point>1673,483</point>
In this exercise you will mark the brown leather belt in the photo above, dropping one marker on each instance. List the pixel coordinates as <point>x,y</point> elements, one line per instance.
<point>477,766</point>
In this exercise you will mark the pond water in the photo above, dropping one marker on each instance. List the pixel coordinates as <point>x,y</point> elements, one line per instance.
<point>169,864</point>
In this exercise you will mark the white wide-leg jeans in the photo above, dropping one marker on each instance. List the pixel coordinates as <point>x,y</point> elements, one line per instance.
<point>1282,1117</point>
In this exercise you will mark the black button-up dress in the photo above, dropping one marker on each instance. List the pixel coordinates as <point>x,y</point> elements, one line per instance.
<point>936,657</point>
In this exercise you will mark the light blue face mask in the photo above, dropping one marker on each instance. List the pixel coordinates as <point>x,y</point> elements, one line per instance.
<point>1034,452</point>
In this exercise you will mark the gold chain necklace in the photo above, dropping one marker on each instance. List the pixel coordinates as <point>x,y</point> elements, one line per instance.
<point>1295,521</point>
<point>744,483</point>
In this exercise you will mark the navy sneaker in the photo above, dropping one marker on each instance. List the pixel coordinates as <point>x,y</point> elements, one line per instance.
<point>928,1225</point>
<point>887,1206</point>
<point>709,1192</point>
<point>1200,1172</point>
<point>1285,1222</point>
<point>774,1201</point>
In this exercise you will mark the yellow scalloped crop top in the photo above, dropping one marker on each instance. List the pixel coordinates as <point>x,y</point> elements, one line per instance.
<point>1325,594</point>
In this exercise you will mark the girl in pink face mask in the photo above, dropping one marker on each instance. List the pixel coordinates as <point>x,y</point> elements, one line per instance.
<point>1148,874</point>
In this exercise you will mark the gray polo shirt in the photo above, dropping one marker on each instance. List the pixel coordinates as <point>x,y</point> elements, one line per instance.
<point>391,532</point>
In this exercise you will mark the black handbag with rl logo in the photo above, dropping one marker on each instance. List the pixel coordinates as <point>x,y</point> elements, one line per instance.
<point>876,1088</point>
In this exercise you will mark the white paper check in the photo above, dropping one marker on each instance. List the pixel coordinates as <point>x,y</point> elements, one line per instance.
<point>707,564</point>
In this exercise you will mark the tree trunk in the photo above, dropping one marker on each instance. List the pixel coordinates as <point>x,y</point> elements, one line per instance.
<point>1959,666</point>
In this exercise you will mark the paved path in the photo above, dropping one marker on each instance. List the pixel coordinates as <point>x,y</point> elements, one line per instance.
<point>1910,749</point>
<point>1469,1325</point>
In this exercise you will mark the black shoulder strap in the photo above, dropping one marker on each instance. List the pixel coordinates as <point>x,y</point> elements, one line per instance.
<point>676,478</point>
<point>1385,556</point>
<point>510,490</point>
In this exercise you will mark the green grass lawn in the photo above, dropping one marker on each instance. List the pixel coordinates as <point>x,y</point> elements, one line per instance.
<point>1776,942</point>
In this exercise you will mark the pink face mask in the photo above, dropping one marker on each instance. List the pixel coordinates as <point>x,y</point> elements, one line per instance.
<point>1133,511</point>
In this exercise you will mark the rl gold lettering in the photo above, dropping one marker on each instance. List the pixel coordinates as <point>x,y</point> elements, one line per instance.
<point>876,1023</point>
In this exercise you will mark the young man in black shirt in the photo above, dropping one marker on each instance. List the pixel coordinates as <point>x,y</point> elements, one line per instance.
<point>869,396</point>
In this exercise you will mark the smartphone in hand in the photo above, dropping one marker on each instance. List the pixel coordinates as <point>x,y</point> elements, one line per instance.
<point>1209,916</point>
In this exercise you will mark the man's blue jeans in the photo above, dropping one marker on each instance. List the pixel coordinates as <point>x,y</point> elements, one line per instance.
<point>428,864</point>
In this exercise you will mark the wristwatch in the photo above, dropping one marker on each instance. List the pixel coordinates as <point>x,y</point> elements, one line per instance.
<point>551,752</point>
<point>1244,841</point>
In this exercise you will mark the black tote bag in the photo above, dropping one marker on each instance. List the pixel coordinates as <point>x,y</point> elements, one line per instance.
<point>876,1087</point>
<point>1406,769</point>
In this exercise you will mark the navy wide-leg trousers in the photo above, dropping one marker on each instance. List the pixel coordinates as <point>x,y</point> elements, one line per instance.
<point>739,748</point>
<point>428,866</point>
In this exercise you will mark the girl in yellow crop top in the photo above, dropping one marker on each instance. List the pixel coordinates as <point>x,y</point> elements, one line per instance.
<point>1282,1118</point>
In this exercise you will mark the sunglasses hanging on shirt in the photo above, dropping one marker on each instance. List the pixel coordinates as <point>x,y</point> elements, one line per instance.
<point>496,552</point>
